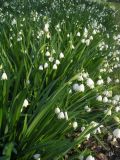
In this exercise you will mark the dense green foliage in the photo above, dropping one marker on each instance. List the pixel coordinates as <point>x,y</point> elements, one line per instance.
<point>57,55</point>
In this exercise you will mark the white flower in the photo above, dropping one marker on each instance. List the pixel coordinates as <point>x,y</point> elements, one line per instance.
<point>108,112</point>
<point>94,31</point>
<point>87,42</point>
<point>109,79</point>
<point>14,22</point>
<point>36,156</point>
<point>78,34</point>
<point>61,55</point>
<point>25,103</point>
<point>54,66</point>
<point>57,62</point>
<point>4,76</point>
<point>41,67</point>
<point>117,80</point>
<point>61,115</point>
<point>46,65</point>
<point>48,35</point>
<point>114,102</point>
<point>116,97</point>
<point>116,133</point>
<point>81,157</point>
<point>117,109</point>
<point>99,98</point>
<point>51,59</point>
<point>75,87</point>
<point>85,75</point>
<point>100,82</point>
<point>46,27</point>
<point>105,100</point>
<point>57,110</point>
<point>82,129</point>
<point>90,83</point>
<point>83,40</point>
<point>72,46</point>
<point>70,91</point>
<point>81,88</point>
<point>47,53</point>
<point>88,109</point>
<point>87,136</point>
<point>68,35</point>
<point>75,125</point>
<point>91,38</point>
<point>90,158</point>
<point>80,78</point>
<point>66,115</point>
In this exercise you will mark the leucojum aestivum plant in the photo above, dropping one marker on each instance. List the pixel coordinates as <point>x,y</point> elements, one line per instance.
<point>59,79</point>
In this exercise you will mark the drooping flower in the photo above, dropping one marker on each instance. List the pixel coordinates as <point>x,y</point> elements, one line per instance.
<point>25,103</point>
<point>66,115</point>
<point>57,110</point>
<point>78,34</point>
<point>75,125</point>
<point>4,76</point>
<point>61,55</point>
<point>61,115</point>
<point>54,66</point>
<point>41,67</point>
<point>90,83</point>
<point>46,65</point>
<point>108,112</point>
<point>116,133</point>
<point>46,27</point>
<point>81,88</point>
<point>99,98</point>
<point>36,156</point>
<point>90,158</point>
<point>57,62</point>
<point>105,100</point>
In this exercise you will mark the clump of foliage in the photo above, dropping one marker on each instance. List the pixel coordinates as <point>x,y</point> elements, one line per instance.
<point>60,79</point>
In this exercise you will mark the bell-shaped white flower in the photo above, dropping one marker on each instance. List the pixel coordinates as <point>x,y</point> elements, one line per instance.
<point>41,67</point>
<point>81,88</point>
<point>90,83</point>
<point>100,82</point>
<point>61,115</point>
<point>51,59</point>
<point>46,27</point>
<point>99,98</point>
<point>116,97</point>
<point>61,55</point>
<point>90,158</point>
<point>75,125</point>
<point>87,42</point>
<point>57,110</point>
<point>66,115</point>
<point>47,53</point>
<point>109,79</point>
<point>57,62</point>
<point>105,100</point>
<point>4,76</point>
<point>25,103</point>
<point>108,112</point>
<point>36,156</point>
<point>75,86</point>
<point>116,133</point>
<point>54,66</point>
<point>78,34</point>
<point>46,65</point>
<point>117,109</point>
